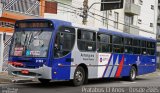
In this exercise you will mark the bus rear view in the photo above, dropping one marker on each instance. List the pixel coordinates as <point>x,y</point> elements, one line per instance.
<point>29,49</point>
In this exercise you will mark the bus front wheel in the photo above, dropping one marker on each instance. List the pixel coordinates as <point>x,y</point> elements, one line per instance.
<point>44,81</point>
<point>79,76</point>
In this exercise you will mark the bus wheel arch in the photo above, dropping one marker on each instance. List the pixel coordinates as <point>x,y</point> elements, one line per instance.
<point>44,81</point>
<point>136,68</point>
<point>81,70</point>
<point>86,72</point>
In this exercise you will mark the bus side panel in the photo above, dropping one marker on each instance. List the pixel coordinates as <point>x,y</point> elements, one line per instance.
<point>125,71</point>
<point>103,61</point>
<point>145,64</point>
<point>61,68</point>
<point>112,66</point>
<point>117,66</point>
<point>148,63</point>
<point>128,60</point>
<point>88,59</point>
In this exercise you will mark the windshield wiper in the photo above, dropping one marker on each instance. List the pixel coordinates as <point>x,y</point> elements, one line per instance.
<point>39,33</point>
<point>30,38</point>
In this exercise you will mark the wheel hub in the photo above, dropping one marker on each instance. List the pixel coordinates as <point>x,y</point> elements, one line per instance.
<point>79,76</point>
<point>133,74</point>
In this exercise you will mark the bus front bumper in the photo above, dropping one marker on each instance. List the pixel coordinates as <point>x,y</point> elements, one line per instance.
<point>41,72</point>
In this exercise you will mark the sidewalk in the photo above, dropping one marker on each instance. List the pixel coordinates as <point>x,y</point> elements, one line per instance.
<point>154,74</point>
<point>5,79</point>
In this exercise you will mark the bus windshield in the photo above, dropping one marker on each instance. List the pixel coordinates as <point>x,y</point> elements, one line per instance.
<point>31,43</point>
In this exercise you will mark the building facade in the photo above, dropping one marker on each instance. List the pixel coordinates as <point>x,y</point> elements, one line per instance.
<point>136,17</point>
<point>158,34</point>
<point>10,11</point>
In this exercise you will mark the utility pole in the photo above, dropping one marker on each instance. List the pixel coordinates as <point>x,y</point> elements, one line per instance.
<point>85,12</point>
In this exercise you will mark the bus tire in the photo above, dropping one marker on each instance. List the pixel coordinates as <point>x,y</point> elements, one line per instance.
<point>132,74</point>
<point>44,81</point>
<point>79,76</point>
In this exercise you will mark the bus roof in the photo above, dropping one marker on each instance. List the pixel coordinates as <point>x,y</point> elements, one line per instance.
<point>126,35</point>
<point>58,23</point>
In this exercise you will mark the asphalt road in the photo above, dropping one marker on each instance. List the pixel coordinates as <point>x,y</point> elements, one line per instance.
<point>94,86</point>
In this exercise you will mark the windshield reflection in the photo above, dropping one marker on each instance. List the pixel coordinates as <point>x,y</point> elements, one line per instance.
<point>31,43</point>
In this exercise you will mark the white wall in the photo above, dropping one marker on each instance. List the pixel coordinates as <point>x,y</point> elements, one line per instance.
<point>8,35</point>
<point>1,12</point>
<point>62,13</point>
<point>147,16</point>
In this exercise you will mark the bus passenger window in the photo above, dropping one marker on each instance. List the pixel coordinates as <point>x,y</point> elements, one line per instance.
<point>86,40</point>
<point>128,45</point>
<point>151,48</point>
<point>144,51</point>
<point>118,46</point>
<point>144,46</point>
<point>128,49</point>
<point>104,43</point>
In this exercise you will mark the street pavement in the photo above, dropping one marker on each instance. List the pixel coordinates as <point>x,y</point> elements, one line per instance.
<point>94,86</point>
<point>5,79</point>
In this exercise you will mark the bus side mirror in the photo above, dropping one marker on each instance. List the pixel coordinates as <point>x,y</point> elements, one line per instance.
<point>61,38</point>
<point>61,35</point>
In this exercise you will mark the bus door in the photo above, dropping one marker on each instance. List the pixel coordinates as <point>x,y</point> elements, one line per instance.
<point>63,45</point>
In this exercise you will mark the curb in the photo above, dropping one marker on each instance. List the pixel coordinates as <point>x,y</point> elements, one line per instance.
<point>21,80</point>
<point>5,81</point>
<point>5,78</point>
